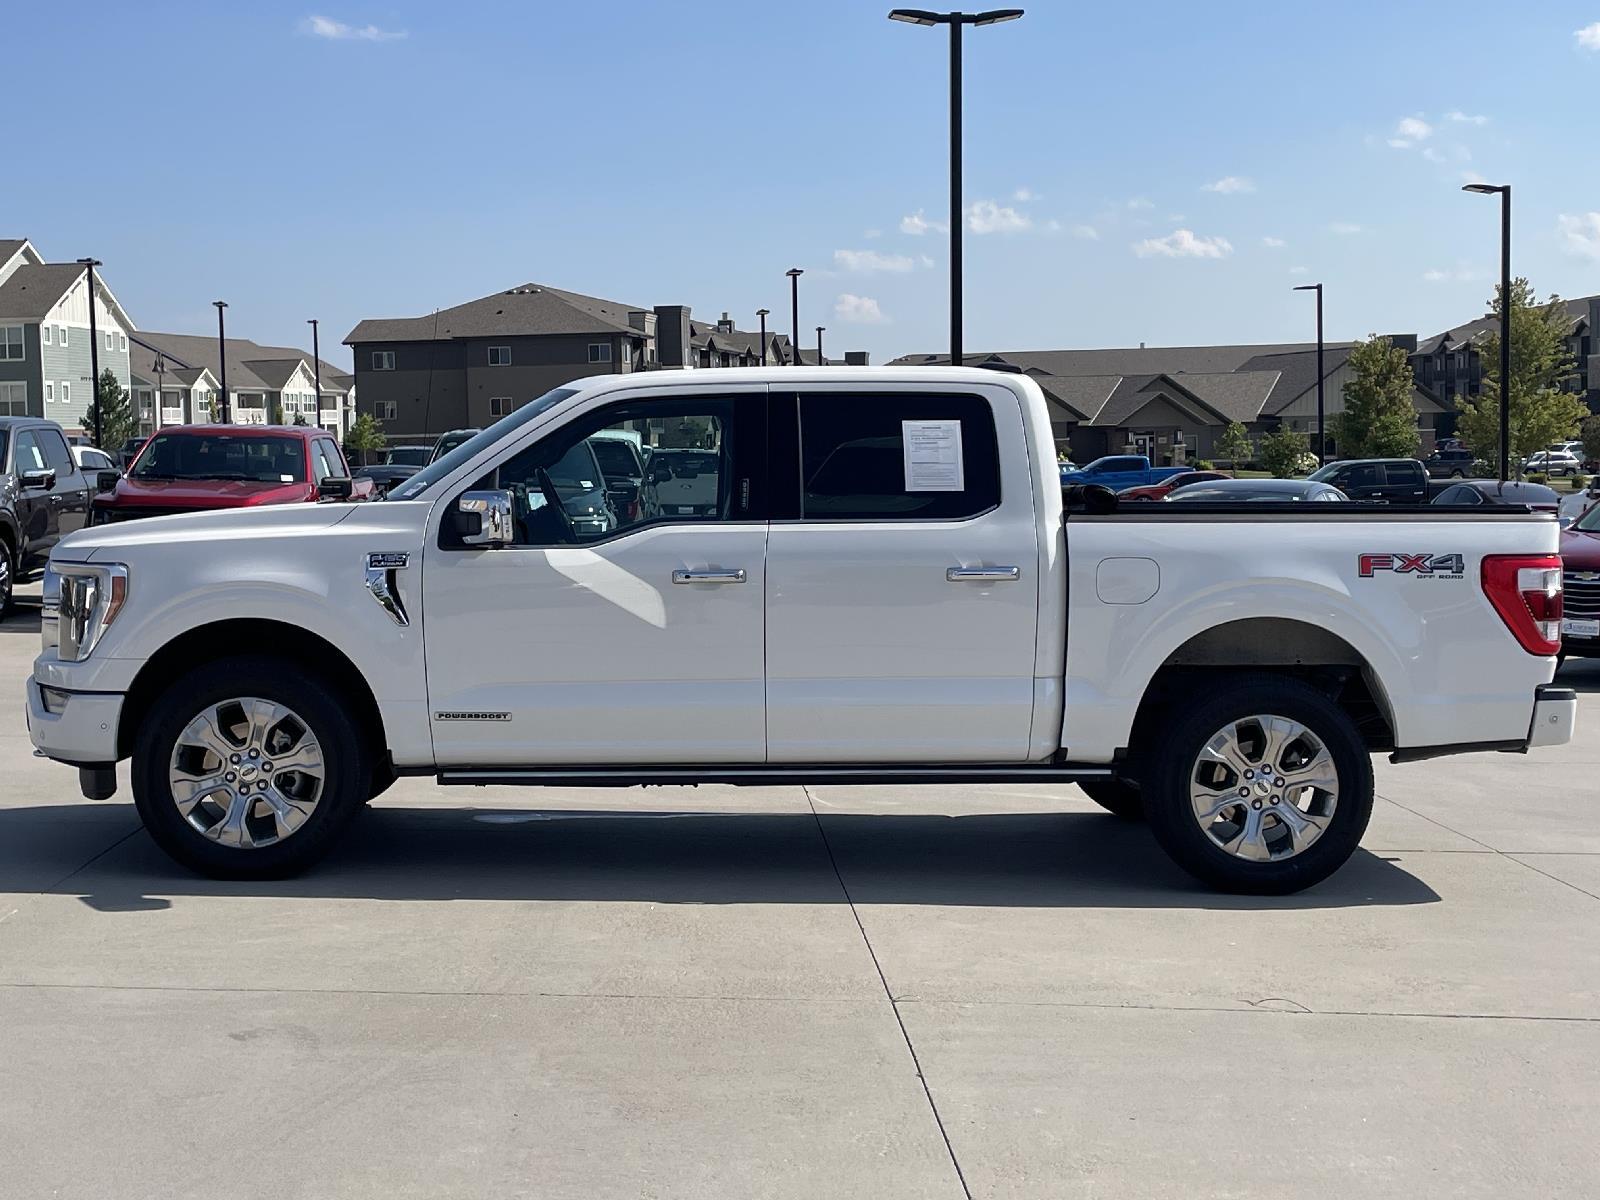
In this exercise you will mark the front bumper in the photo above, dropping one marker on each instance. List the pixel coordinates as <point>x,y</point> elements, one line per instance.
<point>74,727</point>
<point>1555,713</point>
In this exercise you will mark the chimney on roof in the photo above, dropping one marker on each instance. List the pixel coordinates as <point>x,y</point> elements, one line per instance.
<point>644,322</point>
<point>856,358</point>
<point>1141,345</point>
<point>672,334</point>
<point>725,324</point>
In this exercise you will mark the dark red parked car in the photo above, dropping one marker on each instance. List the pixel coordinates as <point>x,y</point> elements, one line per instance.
<point>1158,491</point>
<point>194,468</point>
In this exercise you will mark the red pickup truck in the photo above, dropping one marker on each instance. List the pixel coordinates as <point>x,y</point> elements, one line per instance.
<point>194,468</point>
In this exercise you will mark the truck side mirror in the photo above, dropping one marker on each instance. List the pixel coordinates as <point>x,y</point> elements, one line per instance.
<point>485,519</point>
<point>106,481</point>
<point>45,479</point>
<point>336,487</point>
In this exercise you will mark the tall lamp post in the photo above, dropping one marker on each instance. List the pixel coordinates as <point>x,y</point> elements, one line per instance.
<point>316,369</point>
<point>821,362</point>
<point>1504,192</point>
<point>1322,432</point>
<point>794,274</point>
<point>762,313</point>
<point>89,264</point>
<point>222,356</point>
<point>919,16</point>
<point>161,386</point>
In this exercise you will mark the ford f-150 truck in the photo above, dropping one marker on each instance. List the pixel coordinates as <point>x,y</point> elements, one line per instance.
<point>889,586</point>
<point>1120,472</point>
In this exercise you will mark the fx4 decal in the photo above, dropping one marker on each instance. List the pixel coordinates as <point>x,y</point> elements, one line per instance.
<point>1430,566</point>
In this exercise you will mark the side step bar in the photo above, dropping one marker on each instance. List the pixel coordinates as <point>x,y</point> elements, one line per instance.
<point>796,773</point>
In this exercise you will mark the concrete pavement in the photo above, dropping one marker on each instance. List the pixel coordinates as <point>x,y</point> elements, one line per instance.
<point>812,993</point>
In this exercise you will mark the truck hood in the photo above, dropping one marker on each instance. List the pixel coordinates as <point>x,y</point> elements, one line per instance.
<point>203,493</point>
<point>235,524</point>
<point>1580,551</point>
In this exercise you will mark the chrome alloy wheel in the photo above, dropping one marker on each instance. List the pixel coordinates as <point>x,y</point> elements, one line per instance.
<point>1264,788</point>
<point>247,772</point>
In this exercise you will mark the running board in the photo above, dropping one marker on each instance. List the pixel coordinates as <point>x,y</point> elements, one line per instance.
<point>797,773</point>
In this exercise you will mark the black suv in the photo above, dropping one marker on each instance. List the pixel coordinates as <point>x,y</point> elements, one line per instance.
<point>1390,480</point>
<point>1450,464</point>
<point>43,497</point>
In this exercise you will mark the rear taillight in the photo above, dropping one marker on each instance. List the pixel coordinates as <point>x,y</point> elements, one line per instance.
<point>1525,590</point>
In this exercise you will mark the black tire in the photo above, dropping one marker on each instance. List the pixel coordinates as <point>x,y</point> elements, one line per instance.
<point>8,578</point>
<point>347,766</point>
<point>1116,796</point>
<point>1166,791</point>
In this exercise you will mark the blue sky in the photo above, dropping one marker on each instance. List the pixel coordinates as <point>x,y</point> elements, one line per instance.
<point>1151,172</point>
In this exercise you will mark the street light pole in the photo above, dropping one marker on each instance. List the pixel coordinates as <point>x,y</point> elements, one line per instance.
<point>1504,192</point>
<point>89,264</point>
<point>1322,432</point>
<point>794,274</point>
<point>762,313</point>
<point>821,362</point>
<point>161,386</point>
<point>918,16</point>
<point>222,356</point>
<point>316,368</point>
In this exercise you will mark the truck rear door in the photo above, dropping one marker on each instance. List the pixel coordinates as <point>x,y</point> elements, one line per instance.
<point>902,576</point>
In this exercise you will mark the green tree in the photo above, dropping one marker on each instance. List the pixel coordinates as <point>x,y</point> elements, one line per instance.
<point>1235,444</point>
<point>1589,431</point>
<point>117,422</point>
<point>1378,420</point>
<point>1284,452</point>
<point>364,436</point>
<point>1541,412</point>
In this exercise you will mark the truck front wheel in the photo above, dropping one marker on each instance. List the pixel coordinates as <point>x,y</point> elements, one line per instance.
<point>248,768</point>
<point>1263,787</point>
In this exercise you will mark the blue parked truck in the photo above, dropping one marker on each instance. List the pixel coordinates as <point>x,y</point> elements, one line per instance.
<point>1118,471</point>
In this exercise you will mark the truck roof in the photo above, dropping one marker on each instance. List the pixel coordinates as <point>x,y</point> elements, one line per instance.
<point>306,431</point>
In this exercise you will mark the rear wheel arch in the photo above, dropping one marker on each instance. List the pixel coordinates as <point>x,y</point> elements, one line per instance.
<point>231,638</point>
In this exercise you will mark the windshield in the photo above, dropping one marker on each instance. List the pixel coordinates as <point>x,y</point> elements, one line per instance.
<point>1590,521</point>
<point>444,465</point>
<point>170,456</point>
<point>408,456</point>
<point>1323,474</point>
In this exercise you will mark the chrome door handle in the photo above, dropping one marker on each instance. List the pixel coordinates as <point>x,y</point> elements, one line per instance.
<point>982,574</point>
<point>735,576</point>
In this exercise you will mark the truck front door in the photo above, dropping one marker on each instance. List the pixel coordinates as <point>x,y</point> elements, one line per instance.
<point>606,636</point>
<point>902,578</point>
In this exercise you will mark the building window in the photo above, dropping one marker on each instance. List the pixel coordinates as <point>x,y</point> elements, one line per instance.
<point>13,399</point>
<point>44,332</point>
<point>11,344</point>
<point>499,406</point>
<point>500,356</point>
<point>599,352</point>
<point>63,329</point>
<point>49,392</point>
<point>122,341</point>
<point>66,392</point>
<point>383,360</point>
<point>111,341</point>
<point>387,410</point>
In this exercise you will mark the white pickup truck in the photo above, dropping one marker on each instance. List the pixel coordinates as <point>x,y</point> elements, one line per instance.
<point>891,585</point>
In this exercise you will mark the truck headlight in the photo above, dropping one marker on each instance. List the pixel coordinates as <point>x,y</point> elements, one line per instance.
<point>80,602</point>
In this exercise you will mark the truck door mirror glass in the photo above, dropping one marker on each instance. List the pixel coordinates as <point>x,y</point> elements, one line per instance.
<point>106,481</point>
<point>485,519</point>
<point>336,487</point>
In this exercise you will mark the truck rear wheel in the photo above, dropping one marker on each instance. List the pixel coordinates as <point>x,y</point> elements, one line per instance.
<point>1264,787</point>
<point>248,768</point>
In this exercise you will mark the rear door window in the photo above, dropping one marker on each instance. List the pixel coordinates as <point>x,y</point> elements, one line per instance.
<point>1363,476</point>
<point>855,450</point>
<point>1402,474</point>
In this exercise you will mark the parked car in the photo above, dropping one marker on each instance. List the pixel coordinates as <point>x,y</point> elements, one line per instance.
<point>1491,491</point>
<point>91,461</point>
<point>43,497</point>
<point>1121,471</point>
<point>686,482</point>
<point>1553,462</point>
<point>621,460</point>
<point>1450,464</point>
<point>1280,491</point>
<point>1159,491</point>
<point>1580,566</point>
<point>399,464</point>
<point>1389,480</point>
<point>449,441</point>
<point>129,451</point>
<point>190,468</point>
<point>1225,671</point>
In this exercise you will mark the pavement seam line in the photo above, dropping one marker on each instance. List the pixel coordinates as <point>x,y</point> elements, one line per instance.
<point>894,1006</point>
<point>1510,856</point>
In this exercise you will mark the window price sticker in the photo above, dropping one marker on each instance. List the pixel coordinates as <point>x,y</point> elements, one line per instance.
<point>932,456</point>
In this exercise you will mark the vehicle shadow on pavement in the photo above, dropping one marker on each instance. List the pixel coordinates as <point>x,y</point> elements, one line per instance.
<point>1004,860</point>
<point>23,618</point>
<point>1580,674</point>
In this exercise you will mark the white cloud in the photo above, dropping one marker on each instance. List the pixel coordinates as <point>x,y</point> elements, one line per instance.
<point>1022,195</point>
<point>872,260</point>
<point>1408,131</point>
<point>1589,36</point>
<point>1580,233</point>
<point>985,216</point>
<point>1297,270</point>
<point>338,31</point>
<point>1344,228</point>
<point>1471,177</point>
<point>1433,154</point>
<point>1229,184</point>
<point>926,260</point>
<point>1466,118</point>
<point>858,310</point>
<point>1444,275</point>
<point>917,225</point>
<point>1087,232</point>
<point>1182,243</point>
<point>873,233</point>
<point>1140,204</point>
<point>1273,243</point>
<point>1052,226</point>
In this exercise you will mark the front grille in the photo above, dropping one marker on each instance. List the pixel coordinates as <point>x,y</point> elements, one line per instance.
<point>1582,596</point>
<point>108,516</point>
